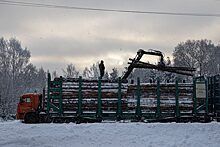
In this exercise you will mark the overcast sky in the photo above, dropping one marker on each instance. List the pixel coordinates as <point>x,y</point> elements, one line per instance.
<point>57,37</point>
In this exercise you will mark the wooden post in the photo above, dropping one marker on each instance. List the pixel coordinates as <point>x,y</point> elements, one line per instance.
<point>158,113</point>
<point>207,98</point>
<point>194,97</point>
<point>138,109</point>
<point>119,106</point>
<point>79,112</point>
<point>60,96</point>
<point>48,92</point>
<point>99,111</point>
<point>177,100</point>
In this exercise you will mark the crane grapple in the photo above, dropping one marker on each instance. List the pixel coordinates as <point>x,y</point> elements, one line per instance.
<point>136,63</point>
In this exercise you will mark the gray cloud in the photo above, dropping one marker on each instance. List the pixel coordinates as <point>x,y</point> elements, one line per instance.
<point>57,37</point>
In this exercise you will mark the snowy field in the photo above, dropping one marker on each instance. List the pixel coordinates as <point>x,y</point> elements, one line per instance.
<point>17,134</point>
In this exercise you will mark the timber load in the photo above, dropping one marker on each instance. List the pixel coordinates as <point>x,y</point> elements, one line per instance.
<point>86,92</point>
<point>150,95</point>
<point>112,99</point>
<point>80,100</point>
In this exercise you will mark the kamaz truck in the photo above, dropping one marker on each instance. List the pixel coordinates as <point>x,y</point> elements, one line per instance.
<point>80,100</point>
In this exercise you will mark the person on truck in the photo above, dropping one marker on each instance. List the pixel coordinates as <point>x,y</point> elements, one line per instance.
<point>102,69</point>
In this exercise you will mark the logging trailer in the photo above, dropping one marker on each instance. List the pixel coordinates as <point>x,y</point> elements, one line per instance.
<point>80,100</point>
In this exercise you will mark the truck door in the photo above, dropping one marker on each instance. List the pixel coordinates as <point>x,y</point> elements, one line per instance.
<point>26,103</point>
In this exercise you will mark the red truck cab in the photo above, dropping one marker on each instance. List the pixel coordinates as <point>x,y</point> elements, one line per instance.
<point>29,104</point>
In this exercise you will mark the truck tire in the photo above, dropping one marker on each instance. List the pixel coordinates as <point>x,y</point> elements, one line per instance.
<point>31,117</point>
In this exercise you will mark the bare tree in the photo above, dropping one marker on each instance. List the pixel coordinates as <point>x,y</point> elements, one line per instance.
<point>92,72</point>
<point>70,71</point>
<point>42,78</point>
<point>13,60</point>
<point>54,74</point>
<point>199,54</point>
<point>17,74</point>
<point>114,74</point>
<point>106,76</point>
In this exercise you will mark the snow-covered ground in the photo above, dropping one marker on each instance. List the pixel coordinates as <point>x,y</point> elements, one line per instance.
<point>16,134</point>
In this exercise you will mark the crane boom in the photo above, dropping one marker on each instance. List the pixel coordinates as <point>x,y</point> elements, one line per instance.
<point>136,63</point>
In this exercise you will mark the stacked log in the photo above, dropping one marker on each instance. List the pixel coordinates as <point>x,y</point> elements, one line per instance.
<point>109,96</point>
<point>148,97</point>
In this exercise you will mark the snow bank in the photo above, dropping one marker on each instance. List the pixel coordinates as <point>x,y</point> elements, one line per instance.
<point>18,134</point>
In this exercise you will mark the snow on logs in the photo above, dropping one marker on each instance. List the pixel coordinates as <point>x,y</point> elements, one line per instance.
<point>109,96</point>
<point>148,96</point>
<point>89,91</point>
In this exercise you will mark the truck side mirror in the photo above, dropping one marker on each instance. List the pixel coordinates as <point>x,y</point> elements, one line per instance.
<point>21,100</point>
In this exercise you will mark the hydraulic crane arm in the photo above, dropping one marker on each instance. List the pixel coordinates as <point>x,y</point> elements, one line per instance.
<point>136,63</point>
<point>141,52</point>
<point>138,57</point>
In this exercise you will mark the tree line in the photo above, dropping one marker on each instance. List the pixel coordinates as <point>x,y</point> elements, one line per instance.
<point>91,73</point>
<point>203,55</point>
<point>19,76</point>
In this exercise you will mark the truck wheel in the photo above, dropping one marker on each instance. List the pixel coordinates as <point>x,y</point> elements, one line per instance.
<point>31,117</point>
